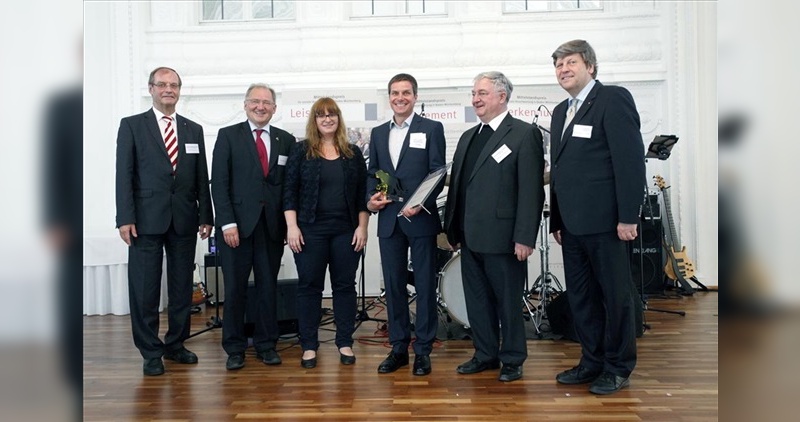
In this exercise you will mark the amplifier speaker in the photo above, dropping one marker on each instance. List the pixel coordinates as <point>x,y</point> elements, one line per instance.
<point>647,271</point>
<point>287,307</point>
<point>561,322</point>
<point>287,298</point>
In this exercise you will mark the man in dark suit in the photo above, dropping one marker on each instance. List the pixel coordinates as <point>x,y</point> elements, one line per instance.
<point>62,188</point>
<point>247,185</point>
<point>162,200</point>
<point>493,211</point>
<point>596,190</point>
<point>408,147</point>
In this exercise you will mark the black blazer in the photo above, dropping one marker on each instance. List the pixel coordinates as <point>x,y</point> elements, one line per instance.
<point>147,193</point>
<point>505,199</point>
<point>241,193</point>
<point>302,184</point>
<point>597,182</point>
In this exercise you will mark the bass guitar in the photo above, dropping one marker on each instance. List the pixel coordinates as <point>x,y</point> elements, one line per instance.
<point>679,266</point>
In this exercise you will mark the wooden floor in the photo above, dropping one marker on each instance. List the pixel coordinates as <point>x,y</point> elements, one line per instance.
<point>675,379</point>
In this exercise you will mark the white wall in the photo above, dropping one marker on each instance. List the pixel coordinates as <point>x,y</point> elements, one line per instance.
<point>663,52</point>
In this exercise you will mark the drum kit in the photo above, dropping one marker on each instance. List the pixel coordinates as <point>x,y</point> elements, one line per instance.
<point>452,304</point>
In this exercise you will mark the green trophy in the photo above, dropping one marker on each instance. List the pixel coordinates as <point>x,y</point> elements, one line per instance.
<point>388,186</point>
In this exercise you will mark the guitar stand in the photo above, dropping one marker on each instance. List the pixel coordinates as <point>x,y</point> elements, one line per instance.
<point>362,314</point>
<point>215,321</point>
<point>702,286</point>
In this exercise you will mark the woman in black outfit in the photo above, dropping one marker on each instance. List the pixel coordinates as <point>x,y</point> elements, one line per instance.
<point>327,217</point>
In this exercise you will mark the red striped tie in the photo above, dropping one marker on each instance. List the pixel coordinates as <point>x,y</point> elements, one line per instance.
<point>171,142</point>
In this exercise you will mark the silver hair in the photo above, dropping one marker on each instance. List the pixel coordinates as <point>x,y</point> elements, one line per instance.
<point>499,80</point>
<point>261,85</point>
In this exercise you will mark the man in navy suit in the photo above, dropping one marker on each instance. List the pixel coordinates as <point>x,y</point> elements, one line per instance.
<point>494,206</point>
<point>247,185</point>
<point>407,147</point>
<point>162,201</point>
<point>597,187</point>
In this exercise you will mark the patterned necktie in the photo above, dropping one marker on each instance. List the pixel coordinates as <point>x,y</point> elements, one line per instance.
<point>171,142</point>
<point>573,107</point>
<point>262,152</point>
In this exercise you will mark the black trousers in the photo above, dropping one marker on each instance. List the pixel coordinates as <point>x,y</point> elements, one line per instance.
<point>145,260</point>
<point>598,277</point>
<point>493,289</point>
<point>261,255</point>
<point>332,250</point>
<point>394,260</point>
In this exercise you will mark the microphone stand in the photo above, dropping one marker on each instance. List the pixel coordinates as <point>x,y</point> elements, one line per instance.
<point>641,264</point>
<point>362,314</point>
<point>215,321</point>
<point>536,118</point>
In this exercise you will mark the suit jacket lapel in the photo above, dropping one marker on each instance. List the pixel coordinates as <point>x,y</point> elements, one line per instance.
<point>382,138</point>
<point>155,131</point>
<point>249,140</point>
<point>557,128</point>
<point>184,135</point>
<point>492,143</point>
<point>274,149</point>
<point>461,151</point>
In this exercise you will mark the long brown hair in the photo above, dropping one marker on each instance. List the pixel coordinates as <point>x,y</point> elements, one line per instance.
<point>326,105</point>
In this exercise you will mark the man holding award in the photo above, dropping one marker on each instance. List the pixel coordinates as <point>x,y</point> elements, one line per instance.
<point>402,153</point>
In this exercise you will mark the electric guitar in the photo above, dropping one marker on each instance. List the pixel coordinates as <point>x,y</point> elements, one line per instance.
<point>679,267</point>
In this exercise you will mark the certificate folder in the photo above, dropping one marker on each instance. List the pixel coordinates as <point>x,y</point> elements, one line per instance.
<point>425,188</point>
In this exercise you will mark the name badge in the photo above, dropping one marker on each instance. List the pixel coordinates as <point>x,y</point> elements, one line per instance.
<point>282,160</point>
<point>192,149</point>
<point>418,140</point>
<point>501,153</point>
<point>582,131</point>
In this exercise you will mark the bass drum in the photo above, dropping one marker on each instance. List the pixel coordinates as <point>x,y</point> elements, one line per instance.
<point>451,289</point>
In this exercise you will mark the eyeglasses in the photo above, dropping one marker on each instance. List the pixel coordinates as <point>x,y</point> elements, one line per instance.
<point>330,116</point>
<point>254,102</point>
<point>480,94</point>
<point>162,85</point>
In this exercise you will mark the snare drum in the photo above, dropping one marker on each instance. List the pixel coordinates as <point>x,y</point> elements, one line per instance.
<point>451,289</point>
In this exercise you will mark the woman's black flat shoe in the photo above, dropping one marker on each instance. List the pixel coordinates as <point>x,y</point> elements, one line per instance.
<point>347,360</point>
<point>309,363</point>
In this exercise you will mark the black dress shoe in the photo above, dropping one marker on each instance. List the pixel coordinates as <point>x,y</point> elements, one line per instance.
<point>153,367</point>
<point>510,373</point>
<point>347,360</point>
<point>270,357</point>
<point>422,365</point>
<point>577,375</point>
<point>608,383</point>
<point>235,361</point>
<point>473,366</point>
<point>308,363</point>
<point>182,355</point>
<point>393,362</point>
